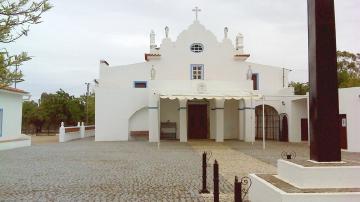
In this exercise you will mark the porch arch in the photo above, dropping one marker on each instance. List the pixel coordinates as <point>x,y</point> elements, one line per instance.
<point>272,122</point>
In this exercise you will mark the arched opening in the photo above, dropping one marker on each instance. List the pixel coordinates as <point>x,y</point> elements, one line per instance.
<point>138,125</point>
<point>272,123</point>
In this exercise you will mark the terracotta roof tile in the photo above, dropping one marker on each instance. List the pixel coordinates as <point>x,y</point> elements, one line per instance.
<point>14,90</point>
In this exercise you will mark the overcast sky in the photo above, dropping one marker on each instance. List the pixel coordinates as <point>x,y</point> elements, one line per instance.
<point>75,35</point>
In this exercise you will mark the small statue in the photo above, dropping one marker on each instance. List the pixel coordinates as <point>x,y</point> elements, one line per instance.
<point>167,32</point>
<point>152,73</point>
<point>226,30</point>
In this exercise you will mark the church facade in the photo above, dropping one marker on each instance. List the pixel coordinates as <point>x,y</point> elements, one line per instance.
<point>198,87</point>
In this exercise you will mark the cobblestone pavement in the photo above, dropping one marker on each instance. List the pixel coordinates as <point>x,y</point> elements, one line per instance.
<point>85,170</point>
<point>103,171</point>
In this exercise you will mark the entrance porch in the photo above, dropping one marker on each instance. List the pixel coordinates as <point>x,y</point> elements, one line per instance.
<point>201,117</point>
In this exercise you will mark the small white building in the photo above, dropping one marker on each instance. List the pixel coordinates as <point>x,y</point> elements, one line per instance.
<point>197,87</point>
<point>349,110</point>
<point>11,100</point>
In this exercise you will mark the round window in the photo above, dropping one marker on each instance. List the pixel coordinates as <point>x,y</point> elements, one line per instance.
<point>197,47</point>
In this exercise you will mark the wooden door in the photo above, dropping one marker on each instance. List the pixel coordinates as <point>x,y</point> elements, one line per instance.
<point>284,129</point>
<point>343,131</point>
<point>197,121</point>
<point>304,130</point>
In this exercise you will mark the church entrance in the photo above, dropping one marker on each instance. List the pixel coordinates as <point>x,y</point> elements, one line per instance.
<point>197,121</point>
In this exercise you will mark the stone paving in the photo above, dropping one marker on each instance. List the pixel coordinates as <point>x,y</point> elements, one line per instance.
<point>85,170</point>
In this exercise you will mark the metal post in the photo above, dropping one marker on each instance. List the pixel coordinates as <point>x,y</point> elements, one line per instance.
<point>251,122</point>
<point>204,190</point>
<point>263,121</point>
<point>216,181</point>
<point>237,190</point>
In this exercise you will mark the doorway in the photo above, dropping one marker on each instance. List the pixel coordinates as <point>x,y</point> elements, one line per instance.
<point>304,130</point>
<point>343,131</point>
<point>198,121</point>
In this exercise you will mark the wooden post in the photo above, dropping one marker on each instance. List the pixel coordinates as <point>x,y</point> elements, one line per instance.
<point>324,104</point>
<point>216,182</point>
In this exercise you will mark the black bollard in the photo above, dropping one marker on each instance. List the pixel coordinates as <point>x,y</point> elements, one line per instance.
<point>204,173</point>
<point>216,181</point>
<point>237,190</point>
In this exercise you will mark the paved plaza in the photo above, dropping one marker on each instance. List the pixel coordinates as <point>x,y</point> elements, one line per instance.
<point>85,170</point>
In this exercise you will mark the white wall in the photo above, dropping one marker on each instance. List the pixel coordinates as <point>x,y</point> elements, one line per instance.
<point>139,120</point>
<point>11,103</point>
<point>349,104</point>
<point>298,112</point>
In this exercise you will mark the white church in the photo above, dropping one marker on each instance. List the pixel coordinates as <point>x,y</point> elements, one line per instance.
<point>198,87</point>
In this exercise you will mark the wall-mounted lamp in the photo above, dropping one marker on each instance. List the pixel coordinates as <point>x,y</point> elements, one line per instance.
<point>283,103</point>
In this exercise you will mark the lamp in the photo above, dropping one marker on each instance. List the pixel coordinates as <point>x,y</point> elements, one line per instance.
<point>249,73</point>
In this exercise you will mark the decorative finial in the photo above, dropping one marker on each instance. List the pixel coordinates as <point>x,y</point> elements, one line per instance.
<point>226,30</point>
<point>196,10</point>
<point>152,40</point>
<point>239,41</point>
<point>167,32</point>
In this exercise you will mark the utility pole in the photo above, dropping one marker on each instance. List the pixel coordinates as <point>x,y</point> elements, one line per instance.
<point>86,103</point>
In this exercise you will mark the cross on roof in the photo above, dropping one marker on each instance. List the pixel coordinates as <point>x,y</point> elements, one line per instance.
<point>196,10</point>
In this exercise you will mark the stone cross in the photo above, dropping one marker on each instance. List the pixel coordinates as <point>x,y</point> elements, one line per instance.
<point>196,10</point>
<point>323,95</point>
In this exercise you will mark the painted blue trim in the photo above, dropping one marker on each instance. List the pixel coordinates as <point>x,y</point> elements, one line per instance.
<point>1,120</point>
<point>202,71</point>
<point>137,82</point>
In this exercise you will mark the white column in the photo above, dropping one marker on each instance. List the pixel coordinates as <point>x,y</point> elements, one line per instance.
<point>62,133</point>
<point>82,130</point>
<point>249,121</point>
<point>153,109</point>
<point>219,114</point>
<point>183,120</point>
<point>241,119</point>
<point>263,121</point>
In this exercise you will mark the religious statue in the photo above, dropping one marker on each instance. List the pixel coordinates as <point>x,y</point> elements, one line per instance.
<point>226,30</point>
<point>152,73</point>
<point>167,32</point>
<point>249,73</point>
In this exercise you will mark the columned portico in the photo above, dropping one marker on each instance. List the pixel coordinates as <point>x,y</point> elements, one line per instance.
<point>219,113</point>
<point>183,120</point>
<point>154,123</point>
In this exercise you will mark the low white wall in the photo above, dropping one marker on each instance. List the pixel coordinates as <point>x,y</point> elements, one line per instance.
<point>262,191</point>
<point>319,177</point>
<point>14,144</point>
<point>349,104</point>
<point>73,135</point>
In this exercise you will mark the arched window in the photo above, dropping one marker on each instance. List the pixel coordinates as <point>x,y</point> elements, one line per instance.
<point>272,123</point>
<point>197,47</point>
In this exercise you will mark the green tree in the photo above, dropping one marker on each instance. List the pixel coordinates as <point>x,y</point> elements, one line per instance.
<point>299,88</point>
<point>348,70</point>
<point>16,16</point>
<point>31,118</point>
<point>348,65</point>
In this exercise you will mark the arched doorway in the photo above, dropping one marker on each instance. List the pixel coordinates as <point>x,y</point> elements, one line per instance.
<point>272,123</point>
<point>284,128</point>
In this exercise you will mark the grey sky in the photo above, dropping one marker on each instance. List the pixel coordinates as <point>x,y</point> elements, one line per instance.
<point>75,35</point>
